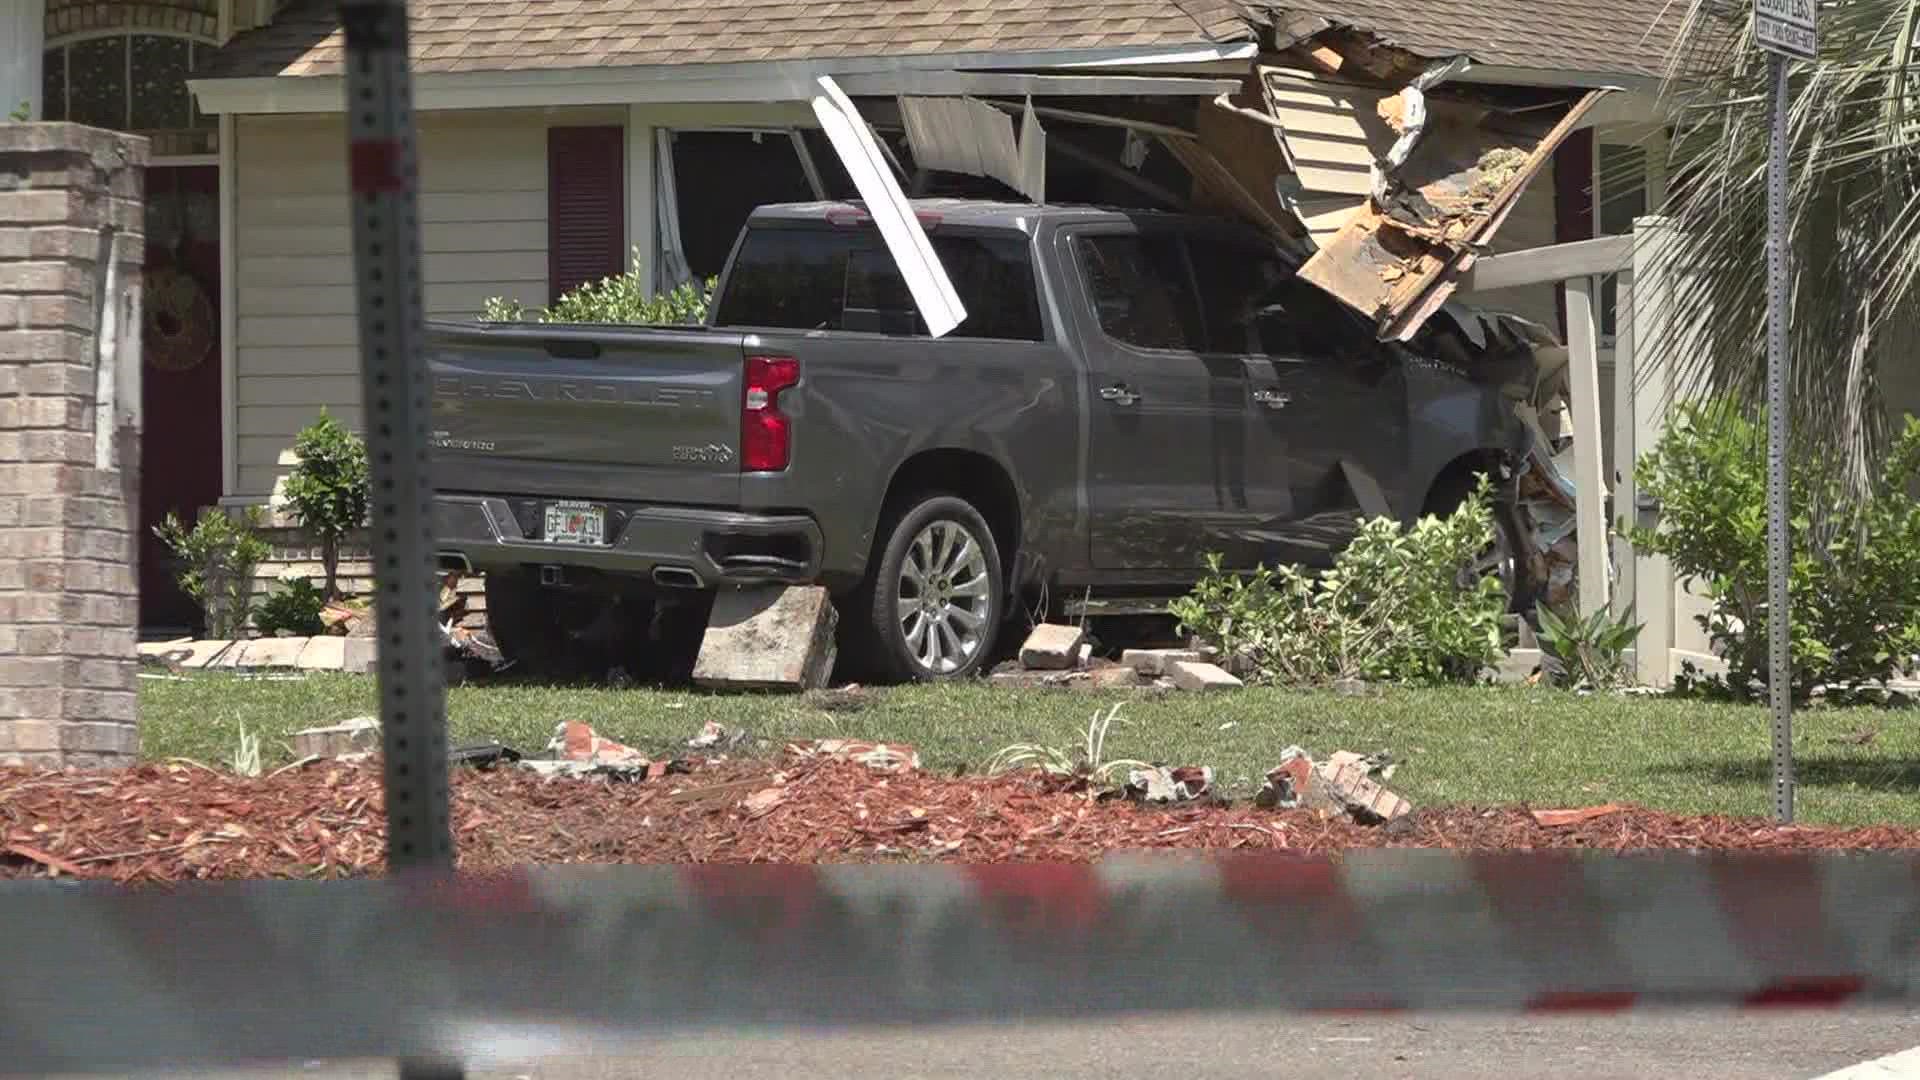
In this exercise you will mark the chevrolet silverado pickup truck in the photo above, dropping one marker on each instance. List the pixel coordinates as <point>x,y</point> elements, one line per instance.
<point>1128,393</point>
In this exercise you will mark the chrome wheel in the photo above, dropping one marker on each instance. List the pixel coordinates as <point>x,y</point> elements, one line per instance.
<point>1501,560</point>
<point>944,597</point>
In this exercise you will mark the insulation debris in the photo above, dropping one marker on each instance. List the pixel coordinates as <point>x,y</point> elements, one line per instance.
<point>1495,170</point>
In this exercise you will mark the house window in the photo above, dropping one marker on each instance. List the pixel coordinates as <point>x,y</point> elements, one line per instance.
<point>719,177</point>
<point>586,206</point>
<point>135,82</point>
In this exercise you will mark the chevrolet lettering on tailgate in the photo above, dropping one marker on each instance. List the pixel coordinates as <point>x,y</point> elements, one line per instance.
<point>521,388</point>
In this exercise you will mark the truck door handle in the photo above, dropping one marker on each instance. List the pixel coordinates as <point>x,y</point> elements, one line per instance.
<point>1119,394</point>
<point>1273,399</point>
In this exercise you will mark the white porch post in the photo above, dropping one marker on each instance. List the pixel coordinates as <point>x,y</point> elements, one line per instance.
<point>640,196</point>
<point>1589,474</point>
<point>22,41</point>
<point>1625,453</point>
<point>229,307</point>
<point>1653,583</point>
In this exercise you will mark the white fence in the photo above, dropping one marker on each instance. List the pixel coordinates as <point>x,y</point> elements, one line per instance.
<point>1643,396</point>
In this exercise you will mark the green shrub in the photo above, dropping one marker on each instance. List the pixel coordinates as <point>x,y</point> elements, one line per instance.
<point>328,490</point>
<point>1855,597</point>
<point>1397,606</point>
<point>218,556</point>
<point>1587,652</point>
<point>295,608</point>
<point>622,298</point>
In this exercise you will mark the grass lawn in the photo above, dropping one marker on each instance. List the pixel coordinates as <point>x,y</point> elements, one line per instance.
<point>1469,745</point>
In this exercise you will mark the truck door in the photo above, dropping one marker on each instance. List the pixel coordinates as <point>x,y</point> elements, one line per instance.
<point>1327,399</point>
<point>1167,471</point>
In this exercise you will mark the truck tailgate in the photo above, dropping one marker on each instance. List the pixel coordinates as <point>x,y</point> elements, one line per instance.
<point>588,411</point>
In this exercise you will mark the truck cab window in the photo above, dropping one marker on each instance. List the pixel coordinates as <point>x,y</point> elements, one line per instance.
<point>1300,322</point>
<point>792,279</point>
<point>844,279</point>
<point>1239,286</point>
<point>1141,290</point>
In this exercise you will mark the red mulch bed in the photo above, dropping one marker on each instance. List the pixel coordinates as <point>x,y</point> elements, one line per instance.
<point>159,823</point>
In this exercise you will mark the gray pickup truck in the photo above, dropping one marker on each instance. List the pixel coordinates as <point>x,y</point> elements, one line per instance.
<point>1128,393</point>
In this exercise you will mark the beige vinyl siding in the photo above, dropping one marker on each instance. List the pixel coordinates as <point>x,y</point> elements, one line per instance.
<point>483,233</point>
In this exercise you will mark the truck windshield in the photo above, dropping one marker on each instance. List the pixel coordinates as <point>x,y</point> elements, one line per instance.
<point>844,279</point>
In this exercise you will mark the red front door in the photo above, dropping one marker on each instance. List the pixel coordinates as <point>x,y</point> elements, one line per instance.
<point>180,381</point>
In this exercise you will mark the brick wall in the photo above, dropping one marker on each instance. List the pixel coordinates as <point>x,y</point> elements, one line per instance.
<point>71,248</point>
<point>297,554</point>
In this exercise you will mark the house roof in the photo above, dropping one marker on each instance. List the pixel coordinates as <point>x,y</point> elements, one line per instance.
<point>1611,37</point>
<point>507,35</point>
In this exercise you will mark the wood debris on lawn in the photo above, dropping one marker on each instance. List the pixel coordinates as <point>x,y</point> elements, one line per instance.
<point>167,822</point>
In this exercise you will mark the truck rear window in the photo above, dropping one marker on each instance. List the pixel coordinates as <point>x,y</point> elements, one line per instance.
<point>844,279</point>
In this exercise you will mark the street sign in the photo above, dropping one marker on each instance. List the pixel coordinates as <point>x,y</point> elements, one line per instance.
<point>1786,27</point>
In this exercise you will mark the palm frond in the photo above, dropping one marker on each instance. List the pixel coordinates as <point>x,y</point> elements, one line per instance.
<point>1854,210</point>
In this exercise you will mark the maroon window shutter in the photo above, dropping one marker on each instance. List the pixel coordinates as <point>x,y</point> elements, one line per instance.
<point>1572,201</point>
<point>586,206</point>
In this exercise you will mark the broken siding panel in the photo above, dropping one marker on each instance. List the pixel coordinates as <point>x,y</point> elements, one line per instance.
<point>1333,131</point>
<point>483,210</point>
<point>1398,263</point>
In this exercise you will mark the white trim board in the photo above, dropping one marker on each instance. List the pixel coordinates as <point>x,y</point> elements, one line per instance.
<point>229,195</point>
<point>791,80</point>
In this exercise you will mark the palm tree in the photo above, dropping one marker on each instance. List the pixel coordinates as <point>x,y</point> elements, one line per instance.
<point>1854,207</point>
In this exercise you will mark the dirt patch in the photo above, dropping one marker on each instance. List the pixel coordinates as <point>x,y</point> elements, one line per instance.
<point>158,823</point>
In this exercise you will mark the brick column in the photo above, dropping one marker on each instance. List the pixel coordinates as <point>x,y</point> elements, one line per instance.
<point>71,248</point>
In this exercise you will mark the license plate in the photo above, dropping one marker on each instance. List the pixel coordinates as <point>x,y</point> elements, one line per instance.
<point>576,523</point>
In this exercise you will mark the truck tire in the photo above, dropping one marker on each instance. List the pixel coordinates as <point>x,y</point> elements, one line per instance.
<point>1506,557</point>
<point>565,633</point>
<point>935,599</point>
<point>524,628</point>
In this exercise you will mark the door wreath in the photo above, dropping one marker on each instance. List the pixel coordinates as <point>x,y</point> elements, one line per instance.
<point>179,320</point>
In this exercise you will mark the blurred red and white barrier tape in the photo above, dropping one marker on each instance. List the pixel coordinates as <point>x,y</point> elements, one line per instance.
<point>96,979</point>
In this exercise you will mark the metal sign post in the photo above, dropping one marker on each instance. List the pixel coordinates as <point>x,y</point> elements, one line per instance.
<point>383,183</point>
<point>1786,30</point>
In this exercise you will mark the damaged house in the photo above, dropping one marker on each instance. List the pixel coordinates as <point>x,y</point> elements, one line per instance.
<point>1389,144</point>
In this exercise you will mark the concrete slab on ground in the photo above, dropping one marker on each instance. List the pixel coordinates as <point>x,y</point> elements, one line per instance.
<point>771,638</point>
<point>273,652</point>
<point>323,654</point>
<point>209,655</point>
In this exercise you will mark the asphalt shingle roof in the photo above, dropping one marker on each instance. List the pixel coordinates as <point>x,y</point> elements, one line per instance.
<point>508,35</point>
<point>1603,37</point>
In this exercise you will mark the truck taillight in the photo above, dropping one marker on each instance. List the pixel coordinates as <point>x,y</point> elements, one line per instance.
<point>766,435</point>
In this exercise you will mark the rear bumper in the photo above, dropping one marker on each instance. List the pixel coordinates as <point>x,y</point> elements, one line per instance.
<point>678,546</point>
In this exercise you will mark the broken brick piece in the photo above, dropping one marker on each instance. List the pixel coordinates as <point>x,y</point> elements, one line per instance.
<point>1157,661</point>
<point>577,741</point>
<point>1289,783</point>
<point>1111,678</point>
<point>881,757</point>
<point>1191,675</point>
<point>1560,819</point>
<point>357,736</point>
<point>1052,647</point>
<point>1349,785</point>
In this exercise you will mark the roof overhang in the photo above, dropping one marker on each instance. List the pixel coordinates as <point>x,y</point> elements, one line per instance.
<point>1069,72</point>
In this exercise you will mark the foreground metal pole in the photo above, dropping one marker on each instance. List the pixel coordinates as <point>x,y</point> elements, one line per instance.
<point>383,176</point>
<point>1779,658</point>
